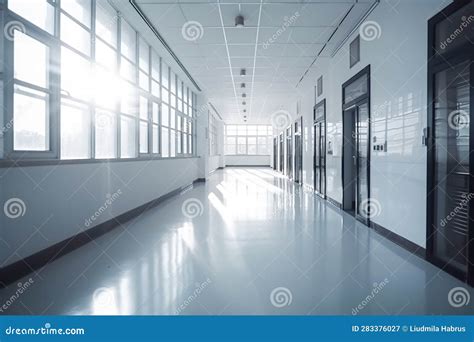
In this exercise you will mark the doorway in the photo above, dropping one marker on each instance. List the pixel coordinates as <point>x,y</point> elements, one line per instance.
<point>275,153</point>
<point>450,140</point>
<point>356,146</point>
<point>289,152</point>
<point>282,154</point>
<point>319,151</point>
<point>298,152</point>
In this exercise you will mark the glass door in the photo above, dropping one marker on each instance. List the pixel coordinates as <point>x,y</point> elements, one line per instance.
<point>450,143</point>
<point>362,162</point>
<point>451,173</point>
<point>289,152</point>
<point>319,161</point>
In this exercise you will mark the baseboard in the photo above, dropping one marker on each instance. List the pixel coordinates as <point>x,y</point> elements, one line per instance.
<point>334,202</point>
<point>247,165</point>
<point>38,260</point>
<point>399,240</point>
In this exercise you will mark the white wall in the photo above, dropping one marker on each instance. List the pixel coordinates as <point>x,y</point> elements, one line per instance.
<point>398,108</point>
<point>247,160</point>
<point>60,198</point>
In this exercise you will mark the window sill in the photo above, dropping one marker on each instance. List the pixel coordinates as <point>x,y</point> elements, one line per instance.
<point>5,163</point>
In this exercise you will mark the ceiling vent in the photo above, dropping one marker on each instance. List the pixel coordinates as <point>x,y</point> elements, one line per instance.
<point>239,21</point>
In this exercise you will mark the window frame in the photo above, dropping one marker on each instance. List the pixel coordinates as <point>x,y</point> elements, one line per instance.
<point>56,95</point>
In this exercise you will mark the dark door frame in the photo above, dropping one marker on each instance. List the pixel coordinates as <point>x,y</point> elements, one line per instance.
<point>298,131</point>
<point>365,98</point>
<point>436,63</point>
<point>275,153</point>
<point>289,152</point>
<point>321,103</point>
<point>281,154</point>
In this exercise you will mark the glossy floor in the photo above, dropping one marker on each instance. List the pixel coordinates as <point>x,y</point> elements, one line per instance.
<point>248,241</point>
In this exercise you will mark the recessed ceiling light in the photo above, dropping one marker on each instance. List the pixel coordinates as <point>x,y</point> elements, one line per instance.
<point>243,72</point>
<point>244,95</point>
<point>244,103</point>
<point>245,110</point>
<point>239,21</point>
<point>242,85</point>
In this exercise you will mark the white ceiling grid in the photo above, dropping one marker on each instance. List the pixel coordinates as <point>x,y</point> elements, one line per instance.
<point>278,43</point>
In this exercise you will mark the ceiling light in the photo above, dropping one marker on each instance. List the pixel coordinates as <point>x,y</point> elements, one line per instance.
<point>245,110</point>
<point>244,95</point>
<point>243,72</point>
<point>242,85</point>
<point>239,21</point>
<point>244,103</point>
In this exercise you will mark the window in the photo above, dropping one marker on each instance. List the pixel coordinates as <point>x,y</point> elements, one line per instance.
<point>248,139</point>
<point>75,130</point>
<point>40,12</point>
<point>354,52</point>
<point>116,97</point>
<point>212,135</point>
<point>31,99</point>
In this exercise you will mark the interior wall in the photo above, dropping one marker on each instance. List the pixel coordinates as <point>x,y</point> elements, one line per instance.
<point>60,200</point>
<point>397,56</point>
<point>247,160</point>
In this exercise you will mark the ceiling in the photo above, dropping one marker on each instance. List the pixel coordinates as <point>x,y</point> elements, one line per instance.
<point>277,45</point>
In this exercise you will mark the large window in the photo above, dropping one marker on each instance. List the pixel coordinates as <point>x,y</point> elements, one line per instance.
<point>248,139</point>
<point>95,89</point>
<point>212,135</point>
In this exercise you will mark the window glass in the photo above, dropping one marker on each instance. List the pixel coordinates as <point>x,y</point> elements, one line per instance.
<point>105,135</point>
<point>106,23</point>
<point>143,108</point>
<point>128,95</point>
<point>127,70</point>
<point>164,142</point>
<point>128,46</point>
<point>156,138</point>
<point>30,60</point>
<point>75,35</point>
<point>105,55</point>
<point>143,137</point>
<point>105,88</point>
<point>39,12</point>
<point>165,76</point>
<point>79,9</point>
<point>155,66</point>
<point>144,54</point>
<point>241,145</point>
<point>156,113</point>
<point>30,115</point>
<point>75,131</point>
<point>128,137</point>
<point>165,114</point>
<point>75,75</point>
<point>172,143</point>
